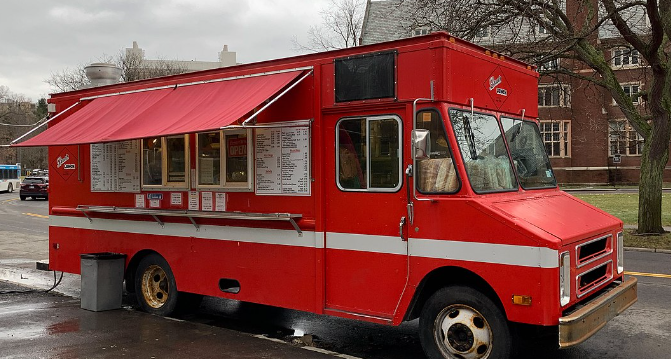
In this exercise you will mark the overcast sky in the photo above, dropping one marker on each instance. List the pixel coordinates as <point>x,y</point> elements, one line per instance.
<point>41,37</point>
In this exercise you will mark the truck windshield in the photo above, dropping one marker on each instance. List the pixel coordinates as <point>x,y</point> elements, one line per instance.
<point>484,151</point>
<point>528,153</point>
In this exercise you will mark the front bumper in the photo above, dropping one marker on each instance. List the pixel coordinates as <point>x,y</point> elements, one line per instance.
<point>576,327</point>
<point>33,193</point>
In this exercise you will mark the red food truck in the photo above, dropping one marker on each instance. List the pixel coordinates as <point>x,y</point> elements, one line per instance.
<point>381,183</point>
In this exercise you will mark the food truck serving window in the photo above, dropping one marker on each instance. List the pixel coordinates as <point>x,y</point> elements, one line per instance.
<point>165,161</point>
<point>483,151</point>
<point>368,154</point>
<point>224,160</point>
<point>209,159</point>
<point>435,169</point>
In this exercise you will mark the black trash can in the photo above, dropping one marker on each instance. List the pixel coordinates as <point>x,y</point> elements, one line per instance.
<point>102,281</point>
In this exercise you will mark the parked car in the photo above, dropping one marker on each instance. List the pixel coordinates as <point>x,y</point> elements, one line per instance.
<point>34,187</point>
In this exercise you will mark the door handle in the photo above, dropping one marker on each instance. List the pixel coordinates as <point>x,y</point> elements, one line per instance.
<point>400,228</point>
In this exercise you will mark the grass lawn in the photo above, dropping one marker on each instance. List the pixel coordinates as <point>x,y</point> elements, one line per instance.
<point>625,207</point>
<point>658,242</point>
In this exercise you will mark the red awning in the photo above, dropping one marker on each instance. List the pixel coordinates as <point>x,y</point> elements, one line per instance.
<point>185,109</point>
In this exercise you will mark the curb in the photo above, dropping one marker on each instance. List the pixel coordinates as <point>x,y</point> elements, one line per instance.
<point>39,280</point>
<point>649,250</point>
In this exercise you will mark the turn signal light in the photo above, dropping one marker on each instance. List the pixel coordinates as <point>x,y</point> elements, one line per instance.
<point>522,299</point>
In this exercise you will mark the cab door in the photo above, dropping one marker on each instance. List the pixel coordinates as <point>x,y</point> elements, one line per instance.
<point>433,213</point>
<point>366,263</point>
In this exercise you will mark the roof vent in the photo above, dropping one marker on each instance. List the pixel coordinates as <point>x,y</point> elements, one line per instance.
<point>101,74</point>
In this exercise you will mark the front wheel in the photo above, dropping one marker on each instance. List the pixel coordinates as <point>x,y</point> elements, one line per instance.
<point>461,323</point>
<point>155,286</point>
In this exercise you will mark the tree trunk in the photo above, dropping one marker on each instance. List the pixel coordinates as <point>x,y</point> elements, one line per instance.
<point>650,192</point>
<point>655,153</point>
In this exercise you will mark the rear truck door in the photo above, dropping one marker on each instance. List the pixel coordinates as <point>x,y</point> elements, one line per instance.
<point>366,263</point>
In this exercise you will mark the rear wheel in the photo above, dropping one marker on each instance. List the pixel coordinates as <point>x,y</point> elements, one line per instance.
<point>461,323</point>
<point>23,198</point>
<point>155,286</point>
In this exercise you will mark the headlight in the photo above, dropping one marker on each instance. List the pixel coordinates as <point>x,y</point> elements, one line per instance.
<point>620,252</point>
<point>564,278</point>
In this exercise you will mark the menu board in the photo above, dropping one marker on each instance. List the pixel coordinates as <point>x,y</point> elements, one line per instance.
<point>115,166</point>
<point>283,161</point>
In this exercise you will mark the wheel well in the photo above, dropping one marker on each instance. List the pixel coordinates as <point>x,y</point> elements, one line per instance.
<point>132,268</point>
<point>447,276</point>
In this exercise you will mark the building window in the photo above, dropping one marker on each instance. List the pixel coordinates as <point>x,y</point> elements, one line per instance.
<point>542,30</point>
<point>624,140</point>
<point>369,154</point>
<point>549,65</point>
<point>632,91</point>
<point>625,57</point>
<point>554,96</point>
<point>556,137</point>
<point>483,33</point>
<point>419,32</point>
<point>165,161</point>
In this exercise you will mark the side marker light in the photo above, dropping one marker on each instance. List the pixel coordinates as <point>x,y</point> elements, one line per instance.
<point>522,299</point>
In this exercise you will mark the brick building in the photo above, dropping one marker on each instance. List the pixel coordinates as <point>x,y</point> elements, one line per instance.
<point>586,135</point>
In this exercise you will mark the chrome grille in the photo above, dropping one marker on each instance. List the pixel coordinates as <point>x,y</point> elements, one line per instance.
<point>593,250</point>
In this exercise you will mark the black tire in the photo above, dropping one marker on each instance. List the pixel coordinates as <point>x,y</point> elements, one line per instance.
<point>10,188</point>
<point>188,303</point>
<point>23,198</point>
<point>460,322</point>
<point>155,286</point>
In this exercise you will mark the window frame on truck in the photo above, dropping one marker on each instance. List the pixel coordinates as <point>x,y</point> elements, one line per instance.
<point>224,184</point>
<point>450,154</point>
<point>367,147</point>
<point>165,182</point>
<point>469,173</point>
<point>354,79</point>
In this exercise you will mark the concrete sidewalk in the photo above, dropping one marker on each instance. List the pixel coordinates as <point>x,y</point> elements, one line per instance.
<point>39,325</point>
<point>34,324</point>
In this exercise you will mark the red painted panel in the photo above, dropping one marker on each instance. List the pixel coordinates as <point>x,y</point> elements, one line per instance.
<point>549,213</point>
<point>269,274</point>
<point>364,282</point>
<point>506,280</point>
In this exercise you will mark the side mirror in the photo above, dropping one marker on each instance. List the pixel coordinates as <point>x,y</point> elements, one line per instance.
<point>421,143</point>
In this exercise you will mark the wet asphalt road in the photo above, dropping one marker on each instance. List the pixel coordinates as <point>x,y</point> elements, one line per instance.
<point>644,331</point>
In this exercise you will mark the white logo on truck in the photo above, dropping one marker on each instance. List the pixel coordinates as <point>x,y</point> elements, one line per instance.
<point>61,160</point>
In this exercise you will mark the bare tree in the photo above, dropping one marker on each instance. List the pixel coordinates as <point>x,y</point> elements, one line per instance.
<point>68,79</point>
<point>133,68</point>
<point>17,116</point>
<point>340,27</point>
<point>542,31</point>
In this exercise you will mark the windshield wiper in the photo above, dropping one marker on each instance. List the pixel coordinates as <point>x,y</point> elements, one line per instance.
<point>470,137</point>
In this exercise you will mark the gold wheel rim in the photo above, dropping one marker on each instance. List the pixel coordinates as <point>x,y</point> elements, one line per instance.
<point>155,286</point>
